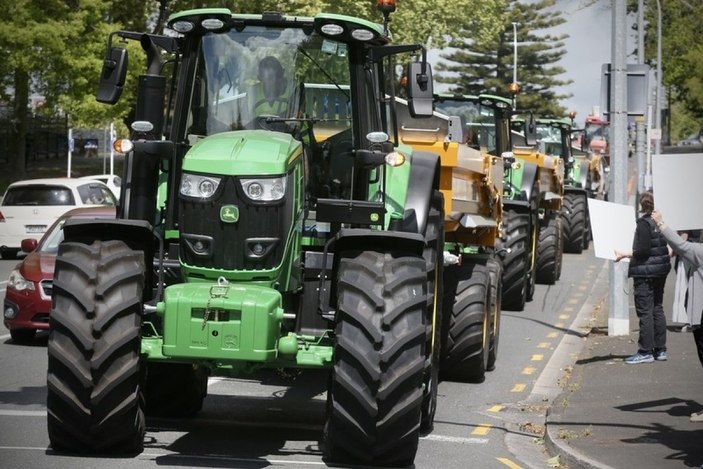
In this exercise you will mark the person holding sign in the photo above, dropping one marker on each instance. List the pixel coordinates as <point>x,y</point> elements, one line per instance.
<point>693,253</point>
<point>649,266</point>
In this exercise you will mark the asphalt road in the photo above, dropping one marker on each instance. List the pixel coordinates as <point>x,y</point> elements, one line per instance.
<point>274,423</point>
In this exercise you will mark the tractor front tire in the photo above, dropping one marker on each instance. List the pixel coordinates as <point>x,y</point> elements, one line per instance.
<point>466,315</point>
<point>375,397</point>
<point>574,223</point>
<point>515,247</point>
<point>94,396</point>
<point>549,249</point>
<point>434,259</point>
<point>494,270</point>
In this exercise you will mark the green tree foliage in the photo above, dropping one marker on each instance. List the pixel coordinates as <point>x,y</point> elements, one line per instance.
<point>471,67</point>
<point>682,55</point>
<point>56,47</point>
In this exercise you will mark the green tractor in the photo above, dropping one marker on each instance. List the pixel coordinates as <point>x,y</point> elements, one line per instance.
<point>269,219</point>
<point>547,195</point>
<point>485,124</point>
<point>463,132</point>
<point>581,176</point>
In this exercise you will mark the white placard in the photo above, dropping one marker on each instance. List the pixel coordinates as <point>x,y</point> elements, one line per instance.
<point>677,181</point>
<point>613,227</point>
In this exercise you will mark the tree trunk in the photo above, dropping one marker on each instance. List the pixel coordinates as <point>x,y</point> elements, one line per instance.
<point>18,135</point>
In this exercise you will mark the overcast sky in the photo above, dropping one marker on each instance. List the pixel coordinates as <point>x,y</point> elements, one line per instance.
<point>589,26</point>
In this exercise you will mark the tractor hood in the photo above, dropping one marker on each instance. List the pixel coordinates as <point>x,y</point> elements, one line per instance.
<point>243,152</point>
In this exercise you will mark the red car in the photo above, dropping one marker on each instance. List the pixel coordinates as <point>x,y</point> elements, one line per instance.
<point>28,295</point>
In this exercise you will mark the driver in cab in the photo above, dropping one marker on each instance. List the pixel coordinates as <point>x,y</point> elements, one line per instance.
<point>272,93</point>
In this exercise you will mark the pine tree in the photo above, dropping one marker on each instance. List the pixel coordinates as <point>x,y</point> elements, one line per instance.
<point>475,67</point>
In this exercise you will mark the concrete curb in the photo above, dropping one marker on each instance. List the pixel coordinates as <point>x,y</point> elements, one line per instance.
<point>548,386</point>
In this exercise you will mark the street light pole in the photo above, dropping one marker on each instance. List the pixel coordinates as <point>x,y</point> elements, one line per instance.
<point>514,86</point>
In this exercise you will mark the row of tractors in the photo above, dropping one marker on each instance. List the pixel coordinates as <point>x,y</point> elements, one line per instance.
<point>369,229</point>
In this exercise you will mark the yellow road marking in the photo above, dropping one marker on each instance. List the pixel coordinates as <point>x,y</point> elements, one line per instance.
<point>482,429</point>
<point>529,370</point>
<point>573,301</point>
<point>552,335</point>
<point>564,316</point>
<point>559,325</point>
<point>495,408</point>
<point>509,463</point>
<point>543,345</point>
<point>538,357</point>
<point>518,388</point>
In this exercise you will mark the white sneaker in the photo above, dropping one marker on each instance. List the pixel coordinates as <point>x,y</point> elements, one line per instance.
<point>697,417</point>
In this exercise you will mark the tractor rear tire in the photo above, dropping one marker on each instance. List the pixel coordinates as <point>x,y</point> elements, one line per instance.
<point>549,249</point>
<point>161,380</point>
<point>434,259</point>
<point>574,222</point>
<point>467,323</point>
<point>94,400</point>
<point>515,258</point>
<point>374,402</point>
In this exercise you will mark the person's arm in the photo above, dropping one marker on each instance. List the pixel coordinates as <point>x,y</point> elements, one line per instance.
<point>692,252</point>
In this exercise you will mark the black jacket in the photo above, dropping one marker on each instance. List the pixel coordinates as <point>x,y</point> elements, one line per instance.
<point>650,254</point>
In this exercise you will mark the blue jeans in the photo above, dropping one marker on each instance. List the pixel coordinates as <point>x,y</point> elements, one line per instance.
<point>649,295</point>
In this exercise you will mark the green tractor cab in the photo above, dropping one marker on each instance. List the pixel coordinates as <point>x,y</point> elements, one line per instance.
<point>269,218</point>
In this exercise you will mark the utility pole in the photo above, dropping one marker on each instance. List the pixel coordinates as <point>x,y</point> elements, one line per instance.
<point>618,315</point>
<point>640,137</point>
<point>657,103</point>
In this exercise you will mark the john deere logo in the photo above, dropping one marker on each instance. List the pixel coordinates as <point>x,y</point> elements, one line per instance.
<point>229,213</point>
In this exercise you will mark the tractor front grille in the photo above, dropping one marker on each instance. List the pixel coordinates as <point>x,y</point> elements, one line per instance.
<point>256,241</point>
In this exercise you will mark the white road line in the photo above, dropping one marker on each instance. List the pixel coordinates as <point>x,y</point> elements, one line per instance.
<point>22,413</point>
<point>454,439</point>
<point>149,455</point>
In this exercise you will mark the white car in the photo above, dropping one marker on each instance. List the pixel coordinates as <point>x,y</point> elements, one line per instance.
<point>29,207</point>
<point>113,181</point>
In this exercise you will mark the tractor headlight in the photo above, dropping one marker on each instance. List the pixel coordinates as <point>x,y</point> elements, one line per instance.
<point>202,187</point>
<point>265,189</point>
<point>18,282</point>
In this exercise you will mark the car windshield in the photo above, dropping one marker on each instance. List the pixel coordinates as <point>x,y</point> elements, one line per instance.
<point>38,194</point>
<point>282,73</point>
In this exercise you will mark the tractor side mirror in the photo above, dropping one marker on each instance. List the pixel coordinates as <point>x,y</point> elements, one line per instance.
<point>419,89</point>
<point>531,132</point>
<point>112,76</point>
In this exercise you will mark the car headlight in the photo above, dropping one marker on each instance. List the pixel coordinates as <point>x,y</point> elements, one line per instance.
<point>18,282</point>
<point>265,189</point>
<point>195,185</point>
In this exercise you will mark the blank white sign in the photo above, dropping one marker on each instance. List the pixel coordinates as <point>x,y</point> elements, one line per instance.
<point>677,181</point>
<point>613,227</point>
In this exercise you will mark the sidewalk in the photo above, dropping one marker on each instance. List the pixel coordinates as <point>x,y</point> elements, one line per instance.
<point>613,415</point>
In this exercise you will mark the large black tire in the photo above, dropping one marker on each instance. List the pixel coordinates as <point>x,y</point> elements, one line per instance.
<point>94,399</point>
<point>495,273</point>
<point>8,254</point>
<point>549,249</point>
<point>515,254</point>
<point>434,261</point>
<point>22,335</point>
<point>161,380</point>
<point>375,396</point>
<point>467,322</point>
<point>574,222</point>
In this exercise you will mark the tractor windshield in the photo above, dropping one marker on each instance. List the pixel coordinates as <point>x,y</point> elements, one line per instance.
<point>271,78</point>
<point>549,140</point>
<point>480,122</point>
